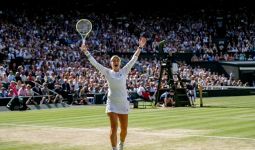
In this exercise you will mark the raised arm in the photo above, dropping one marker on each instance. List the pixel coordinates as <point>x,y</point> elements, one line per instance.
<point>142,42</point>
<point>92,60</point>
<point>130,64</point>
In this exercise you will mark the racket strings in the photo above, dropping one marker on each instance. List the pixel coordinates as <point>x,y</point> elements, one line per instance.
<point>84,27</point>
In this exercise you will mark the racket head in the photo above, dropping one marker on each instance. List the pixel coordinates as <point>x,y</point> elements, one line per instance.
<point>83,27</point>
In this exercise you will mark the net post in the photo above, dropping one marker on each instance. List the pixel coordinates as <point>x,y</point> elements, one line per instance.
<point>200,88</point>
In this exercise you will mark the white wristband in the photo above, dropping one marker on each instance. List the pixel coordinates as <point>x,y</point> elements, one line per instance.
<point>87,53</point>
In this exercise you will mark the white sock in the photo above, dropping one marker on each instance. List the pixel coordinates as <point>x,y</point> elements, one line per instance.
<point>121,143</point>
<point>114,148</point>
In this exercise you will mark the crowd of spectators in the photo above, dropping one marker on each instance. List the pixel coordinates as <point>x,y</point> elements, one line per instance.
<point>48,46</point>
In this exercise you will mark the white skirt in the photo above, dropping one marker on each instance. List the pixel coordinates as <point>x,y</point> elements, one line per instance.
<point>119,108</point>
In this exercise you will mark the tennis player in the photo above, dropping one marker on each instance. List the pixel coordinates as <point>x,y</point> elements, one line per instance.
<point>117,106</point>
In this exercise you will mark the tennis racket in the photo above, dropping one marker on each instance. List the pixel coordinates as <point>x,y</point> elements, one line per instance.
<point>83,27</point>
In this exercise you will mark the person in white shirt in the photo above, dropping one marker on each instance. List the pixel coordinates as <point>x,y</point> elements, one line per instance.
<point>117,106</point>
<point>140,90</point>
<point>2,71</point>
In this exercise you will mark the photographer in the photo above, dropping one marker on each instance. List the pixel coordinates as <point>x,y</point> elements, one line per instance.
<point>168,99</point>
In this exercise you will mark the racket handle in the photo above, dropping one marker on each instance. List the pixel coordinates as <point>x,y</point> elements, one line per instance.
<point>83,41</point>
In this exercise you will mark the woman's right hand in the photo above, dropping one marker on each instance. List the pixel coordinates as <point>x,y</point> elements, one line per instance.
<point>84,48</point>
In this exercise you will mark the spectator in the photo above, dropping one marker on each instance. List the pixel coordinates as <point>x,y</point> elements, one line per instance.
<point>37,90</point>
<point>167,98</point>
<point>30,94</point>
<point>3,92</point>
<point>13,88</point>
<point>59,91</point>
<point>66,89</point>
<point>46,94</point>
<point>191,94</point>
<point>83,100</point>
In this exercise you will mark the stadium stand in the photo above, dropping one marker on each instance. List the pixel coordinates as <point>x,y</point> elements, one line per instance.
<point>43,47</point>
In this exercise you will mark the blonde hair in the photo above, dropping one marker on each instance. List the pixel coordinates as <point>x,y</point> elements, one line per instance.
<point>115,56</point>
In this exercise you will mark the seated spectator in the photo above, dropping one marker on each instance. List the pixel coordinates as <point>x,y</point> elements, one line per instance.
<point>22,91</point>
<point>13,88</point>
<point>30,93</point>
<point>3,92</point>
<point>46,94</point>
<point>143,93</point>
<point>21,94</point>
<point>66,88</point>
<point>59,91</point>
<point>83,96</point>
<point>11,93</point>
<point>194,58</point>
<point>37,90</point>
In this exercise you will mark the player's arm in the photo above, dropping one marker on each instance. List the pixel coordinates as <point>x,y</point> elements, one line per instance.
<point>142,42</point>
<point>92,60</point>
<point>129,65</point>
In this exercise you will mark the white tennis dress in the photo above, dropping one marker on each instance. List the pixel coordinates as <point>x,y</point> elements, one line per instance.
<point>117,92</point>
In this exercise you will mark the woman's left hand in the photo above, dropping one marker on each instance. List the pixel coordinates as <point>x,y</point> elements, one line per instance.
<point>142,41</point>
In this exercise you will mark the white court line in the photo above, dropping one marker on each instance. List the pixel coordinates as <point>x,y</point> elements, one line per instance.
<point>225,137</point>
<point>61,119</point>
<point>51,127</point>
<point>93,129</point>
